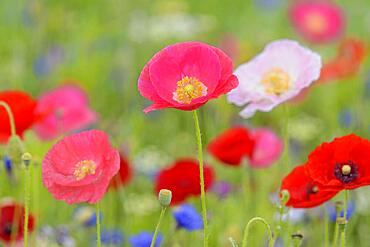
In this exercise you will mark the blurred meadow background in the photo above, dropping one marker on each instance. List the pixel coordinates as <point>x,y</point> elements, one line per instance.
<point>102,46</point>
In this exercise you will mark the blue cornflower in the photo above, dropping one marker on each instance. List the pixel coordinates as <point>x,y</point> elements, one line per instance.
<point>112,237</point>
<point>268,4</point>
<point>332,213</point>
<point>346,118</point>
<point>187,217</point>
<point>85,216</point>
<point>144,239</point>
<point>8,165</point>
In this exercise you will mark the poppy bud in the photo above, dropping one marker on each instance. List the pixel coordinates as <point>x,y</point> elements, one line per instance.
<point>342,223</point>
<point>284,196</point>
<point>165,197</point>
<point>338,207</point>
<point>26,158</point>
<point>15,149</point>
<point>297,239</point>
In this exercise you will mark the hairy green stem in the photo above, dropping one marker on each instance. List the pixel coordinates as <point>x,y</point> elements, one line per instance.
<point>326,228</point>
<point>336,231</point>
<point>343,233</point>
<point>11,117</point>
<point>157,227</point>
<point>98,238</point>
<point>26,202</point>
<point>201,175</point>
<point>247,229</point>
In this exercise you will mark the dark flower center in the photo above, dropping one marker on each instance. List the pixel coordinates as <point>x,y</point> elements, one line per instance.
<point>7,229</point>
<point>346,172</point>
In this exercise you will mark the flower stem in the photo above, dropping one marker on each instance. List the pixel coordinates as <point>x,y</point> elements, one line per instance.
<point>201,175</point>
<point>26,202</point>
<point>11,117</point>
<point>326,228</point>
<point>343,233</point>
<point>336,231</point>
<point>157,227</point>
<point>247,228</point>
<point>98,238</point>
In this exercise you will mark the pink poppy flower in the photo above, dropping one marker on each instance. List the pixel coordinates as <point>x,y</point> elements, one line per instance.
<point>62,110</point>
<point>267,148</point>
<point>279,73</point>
<point>80,166</point>
<point>185,76</point>
<point>317,21</point>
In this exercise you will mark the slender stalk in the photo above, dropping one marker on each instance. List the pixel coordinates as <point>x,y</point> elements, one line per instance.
<point>26,202</point>
<point>98,238</point>
<point>157,227</point>
<point>326,228</point>
<point>343,233</point>
<point>11,117</point>
<point>247,229</point>
<point>285,156</point>
<point>201,175</point>
<point>336,232</point>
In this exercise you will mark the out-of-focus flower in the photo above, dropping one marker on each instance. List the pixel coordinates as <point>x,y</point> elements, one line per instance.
<point>47,62</point>
<point>350,56</point>
<point>268,4</point>
<point>232,146</point>
<point>111,238</point>
<point>62,110</point>
<point>140,205</point>
<point>230,45</point>
<point>222,189</point>
<point>260,146</point>
<point>55,237</point>
<point>185,76</point>
<point>144,239</point>
<point>167,26</point>
<point>187,217</point>
<point>303,191</point>
<point>80,166</point>
<point>345,118</point>
<point>85,216</point>
<point>333,214</point>
<point>12,218</point>
<point>267,148</point>
<point>182,178</point>
<point>149,161</point>
<point>317,21</point>
<point>22,106</point>
<point>304,127</point>
<point>267,80</point>
<point>340,164</point>
<point>124,174</point>
<point>8,165</point>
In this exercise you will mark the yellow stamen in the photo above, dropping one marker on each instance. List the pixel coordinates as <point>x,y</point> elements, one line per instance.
<point>346,169</point>
<point>276,81</point>
<point>84,168</point>
<point>189,88</point>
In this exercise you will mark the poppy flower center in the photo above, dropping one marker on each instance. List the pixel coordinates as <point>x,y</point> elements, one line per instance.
<point>316,23</point>
<point>346,172</point>
<point>84,168</point>
<point>188,89</point>
<point>7,230</point>
<point>276,81</point>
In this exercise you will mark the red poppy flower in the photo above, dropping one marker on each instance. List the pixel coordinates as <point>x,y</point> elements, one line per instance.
<point>304,192</point>
<point>341,164</point>
<point>232,146</point>
<point>123,176</point>
<point>22,106</point>
<point>12,217</point>
<point>182,178</point>
<point>351,54</point>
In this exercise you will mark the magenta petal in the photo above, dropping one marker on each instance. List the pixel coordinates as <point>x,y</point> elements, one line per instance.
<point>202,63</point>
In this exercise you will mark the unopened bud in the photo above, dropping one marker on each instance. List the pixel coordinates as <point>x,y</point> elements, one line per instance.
<point>284,196</point>
<point>338,207</point>
<point>342,223</point>
<point>297,239</point>
<point>26,158</point>
<point>165,197</point>
<point>15,149</point>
